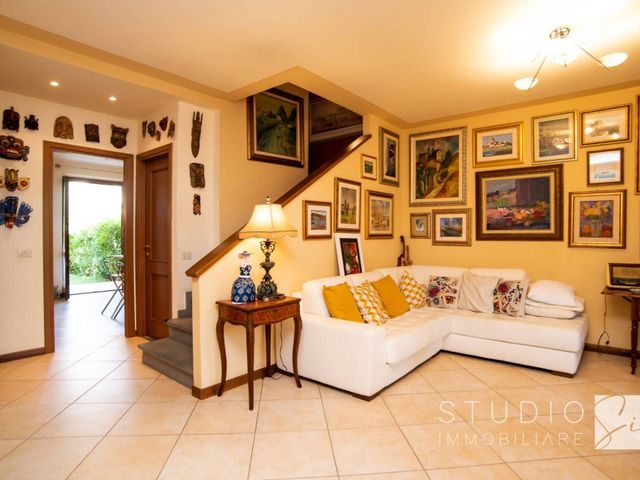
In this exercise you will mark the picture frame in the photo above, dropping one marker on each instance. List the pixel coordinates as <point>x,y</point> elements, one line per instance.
<point>452,227</point>
<point>368,167</point>
<point>598,219</point>
<point>420,225</point>
<point>328,120</point>
<point>605,167</point>
<point>379,214</point>
<point>606,125</point>
<point>347,205</point>
<point>389,156</point>
<point>497,145</point>
<point>437,167</point>
<point>520,203</point>
<point>271,138</point>
<point>349,253</point>
<point>554,137</point>
<point>316,220</point>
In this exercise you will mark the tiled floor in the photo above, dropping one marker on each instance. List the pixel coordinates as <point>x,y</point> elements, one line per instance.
<point>92,410</point>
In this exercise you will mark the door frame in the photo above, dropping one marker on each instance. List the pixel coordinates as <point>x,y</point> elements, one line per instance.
<point>48,149</point>
<point>140,241</point>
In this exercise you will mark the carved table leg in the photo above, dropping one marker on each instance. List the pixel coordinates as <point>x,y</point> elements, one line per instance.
<point>250,342</point>
<point>223,354</point>
<point>635,316</point>
<point>267,341</point>
<point>296,343</point>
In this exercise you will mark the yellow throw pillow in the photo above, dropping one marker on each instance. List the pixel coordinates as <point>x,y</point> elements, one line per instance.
<point>341,304</point>
<point>414,291</point>
<point>392,297</point>
<point>369,303</point>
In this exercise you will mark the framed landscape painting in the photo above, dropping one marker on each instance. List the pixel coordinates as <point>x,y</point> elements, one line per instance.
<point>316,219</point>
<point>420,226</point>
<point>498,145</point>
<point>608,125</point>
<point>438,167</point>
<point>554,137</point>
<point>520,204</point>
<point>379,214</point>
<point>389,155</point>
<point>368,166</point>
<point>349,254</point>
<point>598,219</point>
<point>347,205</point>
<point>452,227</point>
<point>605,167</point>
<point>276,128</point>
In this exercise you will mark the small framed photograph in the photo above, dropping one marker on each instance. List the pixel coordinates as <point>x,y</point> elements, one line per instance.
<point>605,167</point>
<point>368,166</point>
<point>598,219</point>
<point>379,214</point>
<point>608,125</point>
<point>349,253</point>
<point>347,205</point>
<point>497,145</point>
<point>316,219</point>
<point>389,155</point>
<point>452,227</point>
<point>554,137</point>
<point>420,226</point>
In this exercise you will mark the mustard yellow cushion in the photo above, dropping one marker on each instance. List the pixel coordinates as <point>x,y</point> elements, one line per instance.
<point>370,304</point>
<point>392,297</point>
<point>340,303</point>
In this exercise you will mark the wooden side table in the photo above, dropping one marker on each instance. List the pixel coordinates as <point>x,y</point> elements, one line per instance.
<point>250,316</point>
<point>634,299</point>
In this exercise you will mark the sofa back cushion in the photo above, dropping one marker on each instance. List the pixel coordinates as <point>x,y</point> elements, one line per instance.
<point>391,296</point>
<point>505,273</point>
<point>423,273</point>
<point>476,293</point>
<point>340,303</point>
<point>312,299</point>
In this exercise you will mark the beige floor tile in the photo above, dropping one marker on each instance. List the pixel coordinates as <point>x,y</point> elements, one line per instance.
<point>582,393</point>
<point>154,419</point>
<point>284,388</point>
<point>222,417</point>
<point>21,421</point>
<point>328,392</point>
<point>90,340</point>
<point>629,387</point>
<point>110,354</point>
<point>121,458</point>
<point>486,472</point>
<point>116,391</point>
<point>619,467</point>
<point>84,420</point>
<point>480,405</point>
<point>419,475</point>
<point>440,361</point>
<point>37,371</point>
<point>351,412</point>
<point>240,393</point>
<point>56,391</point>
<point>545,377</point>
<point>12,389</point>
<point>564,468</point>
<point>66,353</point>
<point>85,369</point>
<point>291,415</point>
<point>167,390</point>
<point>501,376</point>
<point>46,458</point>
<point>412,383</point>
<point>538,400</point>
<point>372,450</point>
<point>603,372</point>
<point>458,380</point>
<point>418,408</point>
<point>291,454</point>
<point>133,369</point>
<point>467,361</point>
<point>7,445</point>
<point>6,367</point>
<point>209,457</point>
<point>516,440</point>
<point>448,445</point>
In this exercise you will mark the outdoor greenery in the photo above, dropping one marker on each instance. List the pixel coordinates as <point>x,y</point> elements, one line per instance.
<point>88,248</point>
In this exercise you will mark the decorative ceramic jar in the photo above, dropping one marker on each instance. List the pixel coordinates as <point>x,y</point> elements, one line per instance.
<point>243,289</point>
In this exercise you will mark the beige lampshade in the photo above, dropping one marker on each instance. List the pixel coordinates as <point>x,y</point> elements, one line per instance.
<point>267,221</point>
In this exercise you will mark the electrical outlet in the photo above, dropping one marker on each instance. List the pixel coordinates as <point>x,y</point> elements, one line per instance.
<point>186,256</point>
<point>24,253</point>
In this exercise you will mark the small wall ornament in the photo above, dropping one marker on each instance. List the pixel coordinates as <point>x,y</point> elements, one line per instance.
<point>151,129</point>
<point>92,132</point>
<point>197,208</point>
<point>13,148</point>
<point>144,128</point>
<point>196,129</point>
<point>11,119</point>
<point>63,128</point>
<point>158,135</point>
<point>119,136</point>
<point>11,215</point>
<point>31,123</point>
<point>163,123</point>
<point>196,172</point>
<point>172,129</point>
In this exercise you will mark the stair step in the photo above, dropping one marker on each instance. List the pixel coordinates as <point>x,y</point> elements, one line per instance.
<point>180,329</point>
<point>185,324</point>
<point>170,357</point>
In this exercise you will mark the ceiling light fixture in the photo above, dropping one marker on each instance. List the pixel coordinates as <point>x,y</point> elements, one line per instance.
<point>112,98</point>
<point>54,83</point>
<point>563,50</point>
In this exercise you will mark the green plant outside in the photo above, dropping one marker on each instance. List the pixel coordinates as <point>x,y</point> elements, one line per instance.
<point>88,248</point>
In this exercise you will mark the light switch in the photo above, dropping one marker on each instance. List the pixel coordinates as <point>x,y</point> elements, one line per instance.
<point>24,253</point>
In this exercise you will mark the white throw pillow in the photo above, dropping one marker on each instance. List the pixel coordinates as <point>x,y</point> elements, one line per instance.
<point>564,313</point>
<point>476,293</point>
<point>552,293</point>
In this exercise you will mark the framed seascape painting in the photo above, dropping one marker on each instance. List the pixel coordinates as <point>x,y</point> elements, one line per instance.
<point>438,167</point>
<point>609,125</point>
<point>605,167</point>
<point>554,137</point>
<point>498,145</point>
<point>520,204</point>
<point>368,167</point>
<point>347,205</point>
<point>379,214</point>
<point>276,128</point>
<point>452,227</point>
<point>389,155</point>
<point>598,219</point>
<point>420,226</point>
<point>349,254</point>
<point>316,219</point>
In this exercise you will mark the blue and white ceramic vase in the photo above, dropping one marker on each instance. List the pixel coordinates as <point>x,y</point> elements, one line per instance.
<point>243,289</point>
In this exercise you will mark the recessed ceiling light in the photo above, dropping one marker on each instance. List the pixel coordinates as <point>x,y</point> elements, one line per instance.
<point>614,59</point>
<point>525,83</point>
<point>112,98</point>
<point>54,83</point>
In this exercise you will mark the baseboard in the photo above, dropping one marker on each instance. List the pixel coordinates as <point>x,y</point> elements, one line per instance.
<point>210,391</point>
<point>7,357</point>
<point>623,352</point>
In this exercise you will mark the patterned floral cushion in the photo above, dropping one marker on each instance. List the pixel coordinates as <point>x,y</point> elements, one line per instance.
<point>509,297</point>
<point>442,292</point>
<point>414,291</point>
<point>369,303</point>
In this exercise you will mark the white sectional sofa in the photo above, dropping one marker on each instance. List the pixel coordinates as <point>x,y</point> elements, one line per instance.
<point>364,359</point>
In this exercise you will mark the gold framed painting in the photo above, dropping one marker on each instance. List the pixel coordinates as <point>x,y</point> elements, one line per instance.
<point>368,167</point>
<point>379,214</point>
<point>605,167</point>
<point>607,125</point>
<point>497,145</point>
<point>598,219</point>
<point>389,155</point>
<point>452,227</point>
<point>347,205</point>
<point>420,225</point>
<point>316,219</point>
<point>554,137</point>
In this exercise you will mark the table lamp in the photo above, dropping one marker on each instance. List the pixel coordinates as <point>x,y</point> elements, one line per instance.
<point>268,222</point>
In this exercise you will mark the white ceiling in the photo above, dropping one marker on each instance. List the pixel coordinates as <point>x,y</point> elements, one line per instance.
<point>416,59</point>
<point>90,162</point>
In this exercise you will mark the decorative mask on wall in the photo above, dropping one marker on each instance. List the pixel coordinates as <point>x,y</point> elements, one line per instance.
<point>92,132</point>
<point>22,184</point>
<point>144,128</point>
<point>11,215</point>
<point>63,128</point>
<point>196,172</point>
<point>118,136</point>
<point>31,123</point>
<point>11,179</point>
<point>195,133</point>
<point>163,123</point>
<point>196,204</point>
<point>172,129</point>
<point>13,148</point>
<point>158,135</point>
<point>11,119</point>
<point>151,129</point>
